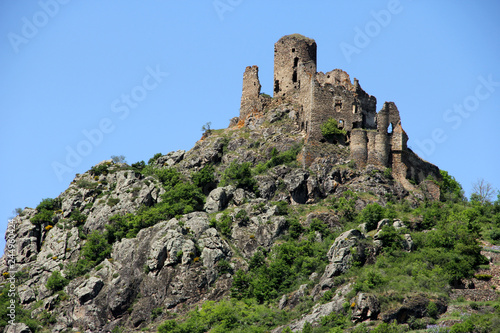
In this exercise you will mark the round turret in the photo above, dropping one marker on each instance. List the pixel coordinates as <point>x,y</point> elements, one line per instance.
<point>294,56</point>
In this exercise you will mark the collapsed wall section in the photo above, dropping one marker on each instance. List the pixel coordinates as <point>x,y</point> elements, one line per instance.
<point>250,92</point>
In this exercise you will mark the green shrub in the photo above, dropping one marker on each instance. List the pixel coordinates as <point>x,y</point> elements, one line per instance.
<point>282,207</point>
<point>98,170</point>
<point>112,202</point>
<point>371,215</point>
<point>223,267</point>
<point>242,217</point>
<point>330,129</point>
<point>495,234</point>
<point>139,166</point>
<point>307,327</point>
<point>156,312</point>
<point>78,217</point>
<point>225,224</point>
<point>227,316</point>
<point>319,226</point>
<point>391,240</point>
<point>388,172</point>
<point>239,175</point>
<point>93,252</point>
<point>327,296</point>
<point>168,176</point>
<point>285,157</point>
<point>86,184</point>
<point>49,204</point>
<point>295,228</point>
<point>42,217</point>
<point>287,266</point>
<point>204,177</point>
<point>432,310</point>
<point>464,327</point>
<point>56,281</point>
<point>153,159</point>
<point>96,248</point>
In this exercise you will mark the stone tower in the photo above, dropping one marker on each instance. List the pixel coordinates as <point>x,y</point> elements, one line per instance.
<point>251,92</point>
<point>294,64</point>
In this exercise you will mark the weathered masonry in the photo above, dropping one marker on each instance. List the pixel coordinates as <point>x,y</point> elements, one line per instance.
<point>376,139</point>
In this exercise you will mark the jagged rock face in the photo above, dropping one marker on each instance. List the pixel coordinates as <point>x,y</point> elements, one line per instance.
<point>321,310</point>
<point>414,306</point>
<point>132,190</point>
<point>17,328</point>
<point>158,268</point>
<point>218,199</point>
<point>262,228</point>
<point>177,263</point>
<point>365,307</point>
<point>341,253</point>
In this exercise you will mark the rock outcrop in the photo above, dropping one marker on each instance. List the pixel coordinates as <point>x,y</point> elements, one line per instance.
<point>171,259</point>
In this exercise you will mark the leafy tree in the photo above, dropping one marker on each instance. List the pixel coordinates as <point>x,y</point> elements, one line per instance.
<point>371,215</point>
<point>118,159</point>
<point>330,129</point>
<point>450,188</point>
<point>96,249</point>
<point>295,228</point>
<point>390,238</point>
<point>205,177</point>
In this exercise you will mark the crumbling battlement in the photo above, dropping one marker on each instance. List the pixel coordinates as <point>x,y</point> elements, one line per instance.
<point>376,139</point>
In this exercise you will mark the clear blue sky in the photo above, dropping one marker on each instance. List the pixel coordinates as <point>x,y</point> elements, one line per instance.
<point>83,80</point>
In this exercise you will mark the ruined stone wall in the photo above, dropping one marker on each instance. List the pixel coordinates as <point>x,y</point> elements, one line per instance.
<point>251,92</point>
<point>375,138</point>
<point>389,115</point>
<point>335,97</point>
<point>399,153</point>
<point>305,96</point>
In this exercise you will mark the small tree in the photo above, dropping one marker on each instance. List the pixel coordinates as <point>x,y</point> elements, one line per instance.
<point>206,128</point>
<point>118,159</point>
<point>482,191</point>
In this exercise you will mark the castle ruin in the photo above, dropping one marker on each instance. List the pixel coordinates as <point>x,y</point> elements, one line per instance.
<point>376,139</point>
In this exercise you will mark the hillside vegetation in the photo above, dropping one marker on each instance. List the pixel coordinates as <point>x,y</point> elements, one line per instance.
<point>240,234</point>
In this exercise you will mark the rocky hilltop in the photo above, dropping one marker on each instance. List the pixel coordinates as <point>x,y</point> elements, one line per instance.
<point>312,170</point>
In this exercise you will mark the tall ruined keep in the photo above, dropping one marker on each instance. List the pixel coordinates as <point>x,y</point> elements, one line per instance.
<point>375,138</point>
